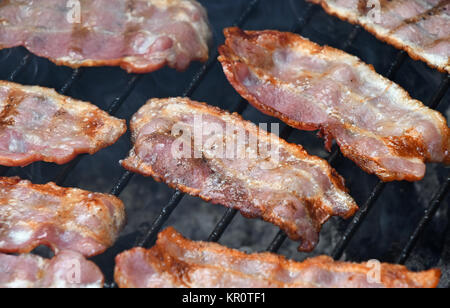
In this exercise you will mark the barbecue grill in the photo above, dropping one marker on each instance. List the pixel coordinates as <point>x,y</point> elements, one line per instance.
<point>406,223</point>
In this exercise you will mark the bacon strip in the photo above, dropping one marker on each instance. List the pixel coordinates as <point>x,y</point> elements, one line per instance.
<point>66,270</point>
<point>61,218</point>
<point>375,122</point>
<point>140,36</point>
<point>294,191</point>
<point>39,124</point>
<point>420,27</point>
<point>177,262</point>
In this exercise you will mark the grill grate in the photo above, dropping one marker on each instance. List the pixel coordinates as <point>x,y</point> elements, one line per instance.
<point>338,251</point>
<point>301,21</point>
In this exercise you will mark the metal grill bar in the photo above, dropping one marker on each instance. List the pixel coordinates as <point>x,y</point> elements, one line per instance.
<point>357,220</point>
<point>23,63</point>
<point>426,219</point>
<point>395,66</point>
<point>149,238</point>
<point>117,103</point>
<point>222,225</point>
<point>277,242</point>
<point>351,38</point>
<point>437,98</point>
<point>122,183</point>
<point>69,83</point>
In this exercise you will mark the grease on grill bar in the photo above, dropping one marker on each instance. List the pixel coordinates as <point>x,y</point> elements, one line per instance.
<point>178,262</point>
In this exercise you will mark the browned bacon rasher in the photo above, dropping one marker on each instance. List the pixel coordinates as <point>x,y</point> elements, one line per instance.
<point>61,218</point>
<point>68,269</point>
<point>138,35</point>
<point>283,185</point>
<point>37,124</point>
<point>374,121</point>
<point>177,262</point>
<point>420,27</point>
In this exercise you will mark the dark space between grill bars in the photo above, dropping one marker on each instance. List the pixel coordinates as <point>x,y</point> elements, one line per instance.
<point>398,222</point>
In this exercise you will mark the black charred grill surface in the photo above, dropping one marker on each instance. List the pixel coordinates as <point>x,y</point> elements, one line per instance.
<point>384,229</point>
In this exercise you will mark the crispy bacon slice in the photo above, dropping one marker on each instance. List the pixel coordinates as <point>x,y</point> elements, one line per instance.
<point>39,124</point>
<point>375,122</point>
<point>66,270</point>
<point>177,262</point>
<point>140,36</point>
<point>61,218</point>
<point>420,27</point>
<point>286,187</point>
